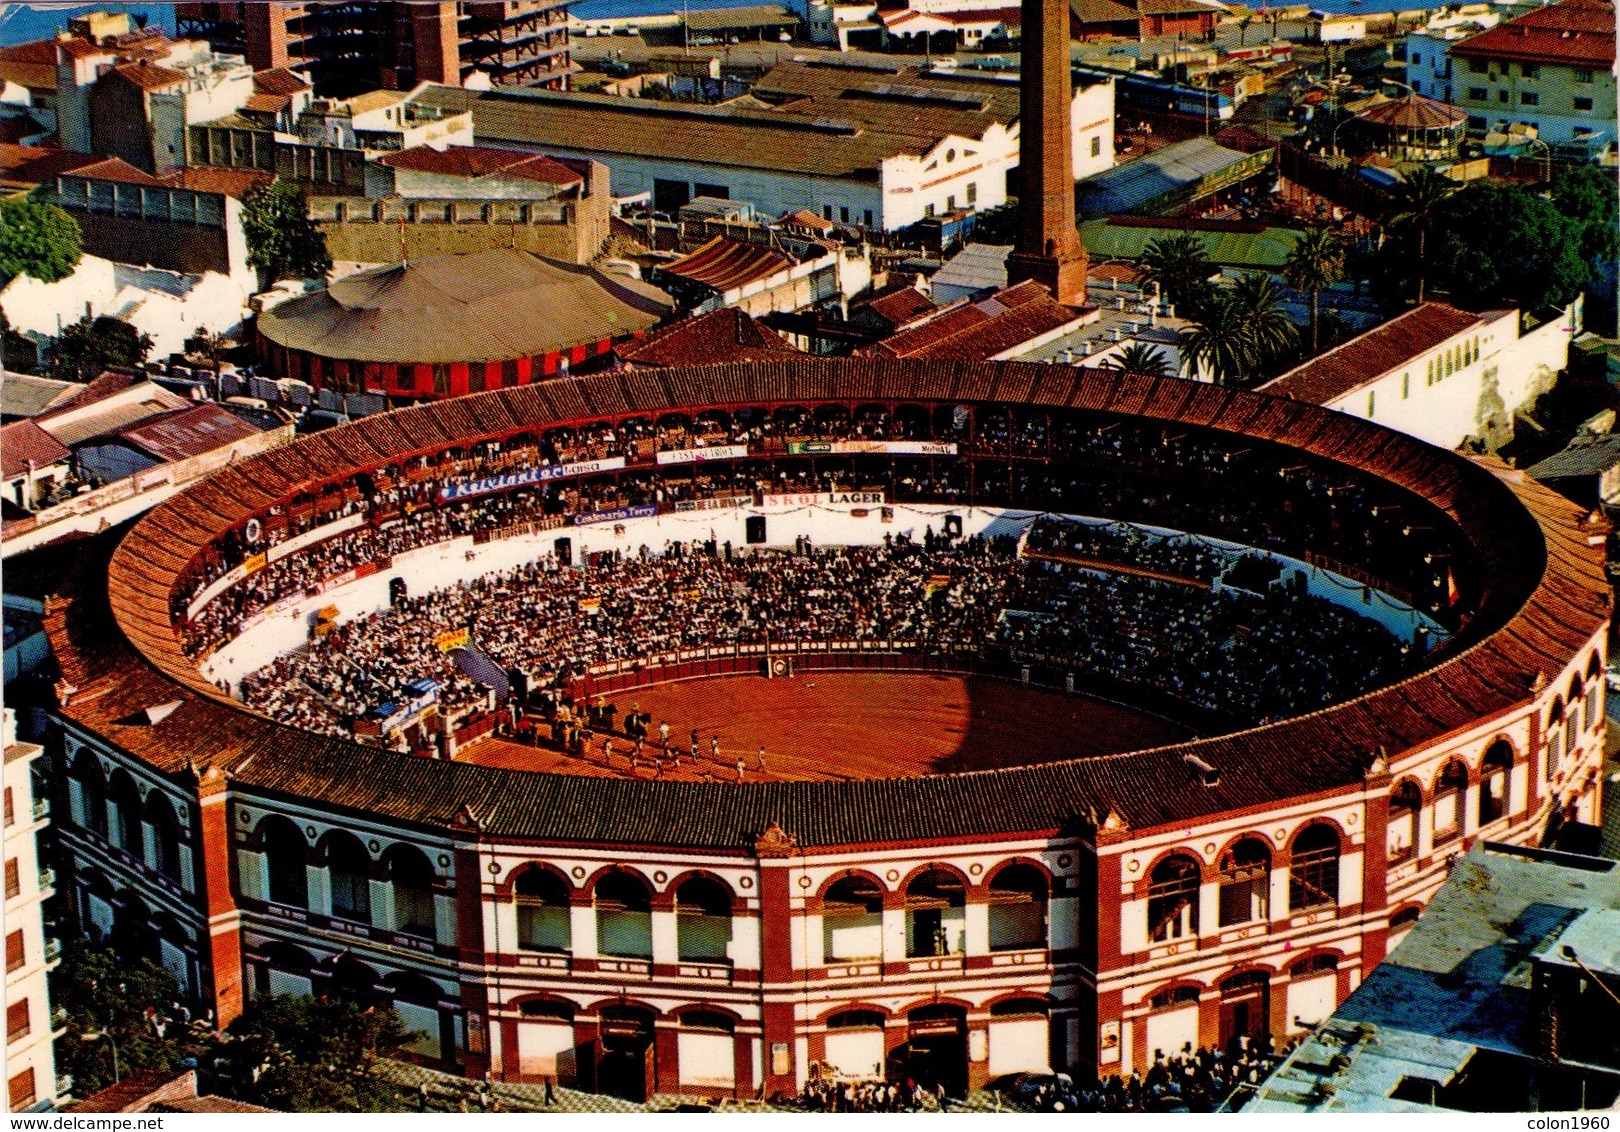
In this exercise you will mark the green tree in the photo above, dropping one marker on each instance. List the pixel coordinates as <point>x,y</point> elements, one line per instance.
<point>99,993</point>
<point>87,347</point>
<point>1179,266</point>
<point>282,241</point>
<point>16,352</point>
<point>1218,340</point>
<point>39,240</point>
<point>310,1055</point>
<point>1315,264</point>
<point>1590,197</point>
<point>1414,206</point>
<point>1502,244</point>
<point>1272,337</point>
<point>1140,358</point>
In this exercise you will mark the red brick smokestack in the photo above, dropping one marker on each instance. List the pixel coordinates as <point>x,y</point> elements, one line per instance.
<point>1049,249</point>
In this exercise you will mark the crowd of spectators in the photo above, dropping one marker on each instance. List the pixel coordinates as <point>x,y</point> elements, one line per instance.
<point>1243,657</point>
<point>1230,487</point>
<point>1203,1080</point>
<point>827,1094</point>
<point>1185,556</point>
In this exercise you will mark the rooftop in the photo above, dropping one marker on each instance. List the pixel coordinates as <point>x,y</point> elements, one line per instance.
<point>979,331</point>
<point>1414,112</point>
<point>1128,187</point>
<point>725,335</point>
<point>725,265</point>
<point>25,395</point>
<point>976,267</point>
<point>1578,33</point>
<point>1227,244</point>
<point>1457,987</point>
<point>24,444</point>
<point>474,161</point>
<point>822,119</point>
<point>187,432</point>
<point>757,15</point>
<point>1367,357</point>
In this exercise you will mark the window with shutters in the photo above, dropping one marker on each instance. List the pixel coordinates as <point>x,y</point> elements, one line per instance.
<point>17,1020</point>
<point>15,957</point>
<point>13,879</point>
<point>11,813</point>
<point>20,1091</point>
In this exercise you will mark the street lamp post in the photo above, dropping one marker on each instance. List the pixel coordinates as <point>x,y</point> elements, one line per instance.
<point>94,1035</point>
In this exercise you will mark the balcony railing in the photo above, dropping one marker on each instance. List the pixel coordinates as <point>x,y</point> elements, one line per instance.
<point>42,808</point>
<point>53,949</point>
<point>47,878</point>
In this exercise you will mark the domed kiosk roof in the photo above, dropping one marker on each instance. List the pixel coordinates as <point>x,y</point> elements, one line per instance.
<point>1414,112</point>
<point>486,306</point>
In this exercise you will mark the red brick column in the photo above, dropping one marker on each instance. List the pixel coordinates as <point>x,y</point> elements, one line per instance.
<point>774,850</point>
<point>224,943</point>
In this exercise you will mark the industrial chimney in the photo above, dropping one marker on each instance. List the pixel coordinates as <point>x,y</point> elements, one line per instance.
<point>1048,249</point>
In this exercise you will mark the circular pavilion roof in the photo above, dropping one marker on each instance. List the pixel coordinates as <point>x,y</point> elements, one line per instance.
<point>1414,112</point>
<point>485,306</point>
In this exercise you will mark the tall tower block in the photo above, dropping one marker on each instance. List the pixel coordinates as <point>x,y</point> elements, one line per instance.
<point>1048,249</point>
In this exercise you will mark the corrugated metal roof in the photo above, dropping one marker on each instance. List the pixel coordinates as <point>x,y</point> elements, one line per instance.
<point>1268,247</point>
<point>1128,187</point>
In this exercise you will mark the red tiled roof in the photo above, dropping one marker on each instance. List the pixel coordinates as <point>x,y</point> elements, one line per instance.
<point>900,307</point>
<point>81,48</point>
<point>32,65</point>
<point>24,441</point>
<point>150,76</point>
<point>267,103</point>
<point>979,331</point>
<point>278,80</point>
<point>804,218</point>
<point>1368,356</point>
<point>1577,33</point>
<point>236,183</point>
<point>188,432</point>
<point>35,165</point>
<point>116,169</point>
<point>723,264</point>
<point>482,161</point>
<point>725,335</point>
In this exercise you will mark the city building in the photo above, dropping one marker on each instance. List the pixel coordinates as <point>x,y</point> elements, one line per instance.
<point>879,148</point>
<point>132,95</point>
<point>1192,20</point>
<point>1007,323</point>
<point>32,1026</point>
<point>347,48</point>
<point>720,337</point>
<point>1170,179</point>
<point>1551,69</point>
<point>189,221</point>
<point>758,278</point>
<point>1412,128</point>
<point>130,445</point>
<point>1427,49</point>
<point>453,324</point>
<point>161,1091</point>
<point>1447,376</point>
<point>1503,996</point>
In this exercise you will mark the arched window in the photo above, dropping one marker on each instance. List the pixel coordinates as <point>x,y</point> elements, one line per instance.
<point>1313,872</point>
<point>1555,737</point>
<point>543,922</point>
<point>1172,907</point>
<point>1594,691</point>
<point>1405,803</point>
<point>1017,916</point>
<point>703,919</point>
<point>1493,782</point>
<point>126,814</point>
<point>1449,793</point>
<point>348,872</point>
<point>411,874</point>
<point>285,853</point>
<point>1572,722</point>
<point>852,920</point>
<point>165,836</point>
<point>623,917</point>
<point>934,914</point>
<point>88,795</point>
<point>1245,882</point>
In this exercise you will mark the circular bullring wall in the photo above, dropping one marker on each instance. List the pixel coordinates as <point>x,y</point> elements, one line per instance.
<point>1521,593</point>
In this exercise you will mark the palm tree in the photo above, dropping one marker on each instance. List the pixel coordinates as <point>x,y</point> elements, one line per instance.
<point>1416,203</point>
<point>1178,265</point>
<point>1315,264</point>
<point>1218,339</point>
<point>1259,299</point>
<point>1140,358</point>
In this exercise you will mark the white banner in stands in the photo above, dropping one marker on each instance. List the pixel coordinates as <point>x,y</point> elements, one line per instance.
<point>527,476</point>
<point>700,455</point>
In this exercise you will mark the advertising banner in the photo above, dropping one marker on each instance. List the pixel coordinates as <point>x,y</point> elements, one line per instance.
<point>702,455</point>
<point>527,476</point>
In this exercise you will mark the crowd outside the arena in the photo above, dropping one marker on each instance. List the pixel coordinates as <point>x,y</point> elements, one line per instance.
<point>1243,656</point>
<point>1202,1080</point>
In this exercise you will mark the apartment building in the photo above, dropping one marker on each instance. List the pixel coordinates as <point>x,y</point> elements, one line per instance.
<point>31,1027</point>
<point>1552,69</point>
<point>347,48</point>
